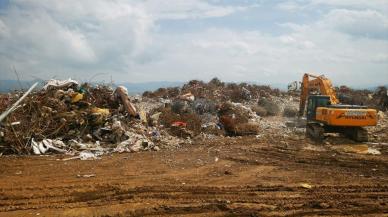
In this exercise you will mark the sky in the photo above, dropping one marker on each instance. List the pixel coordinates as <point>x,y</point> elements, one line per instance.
<point>265,41</point>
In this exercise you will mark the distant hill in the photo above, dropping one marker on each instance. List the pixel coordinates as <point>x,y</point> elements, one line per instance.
<point>11,85</point>
<point>133,88</point>
<point>137,88</point>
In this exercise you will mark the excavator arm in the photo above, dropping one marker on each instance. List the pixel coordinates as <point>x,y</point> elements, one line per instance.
<point>318,83</point>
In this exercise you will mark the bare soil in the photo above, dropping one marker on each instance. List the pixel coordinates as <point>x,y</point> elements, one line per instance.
<point>242,176</point>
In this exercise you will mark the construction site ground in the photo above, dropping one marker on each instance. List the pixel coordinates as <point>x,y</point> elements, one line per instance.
<point>239,176</point>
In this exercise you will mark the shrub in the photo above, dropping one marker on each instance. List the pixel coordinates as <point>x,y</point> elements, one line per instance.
<point>290,111</point>
<point>271,107</point>
<point>260,111</point>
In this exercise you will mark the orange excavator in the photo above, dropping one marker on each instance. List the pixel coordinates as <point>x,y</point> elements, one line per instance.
<point>325,114</point>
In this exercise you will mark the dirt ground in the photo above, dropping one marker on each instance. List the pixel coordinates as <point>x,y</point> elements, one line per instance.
<point>242,176</point>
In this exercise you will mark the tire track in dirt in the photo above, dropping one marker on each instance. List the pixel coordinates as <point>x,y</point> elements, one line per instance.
<point>252,188</point>
<point>199,199</point>
<point>282,156</point>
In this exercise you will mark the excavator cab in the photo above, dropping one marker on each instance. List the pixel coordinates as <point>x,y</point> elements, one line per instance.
<point>313,102</point>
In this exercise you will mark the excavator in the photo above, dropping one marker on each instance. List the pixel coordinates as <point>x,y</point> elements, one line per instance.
<point>325,114</point>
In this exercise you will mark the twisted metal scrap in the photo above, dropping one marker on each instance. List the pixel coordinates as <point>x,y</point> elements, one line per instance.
<point>14,106</point>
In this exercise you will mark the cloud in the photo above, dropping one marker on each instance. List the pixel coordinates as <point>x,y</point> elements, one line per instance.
<point>319,5</point>
<point>190,9</point>
<point>236,55</point>
<point>3,29</point>
<point>380,58</point>
<point>92,36</point>
<point>364,23</point>
<point>361,4</point>
<point>133,40</point>
<point>300,43</point>
<point>73,37</point>
<point>291,6</point>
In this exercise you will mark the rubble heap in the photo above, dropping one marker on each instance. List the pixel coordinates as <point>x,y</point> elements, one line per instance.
<point>217,108</point>
<point>72,118</point>
<point>67,117</point>
<point>218,91</point>
<point>377,99</point>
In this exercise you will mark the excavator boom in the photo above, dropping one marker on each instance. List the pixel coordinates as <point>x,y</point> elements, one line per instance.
<point>318,83</point>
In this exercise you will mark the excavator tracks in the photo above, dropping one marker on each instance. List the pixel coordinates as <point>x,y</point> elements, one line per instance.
<point>315,131</point>
<point>358,134</point>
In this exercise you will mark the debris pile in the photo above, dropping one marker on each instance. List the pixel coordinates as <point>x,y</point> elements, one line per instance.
<point>377,99</point>
<point>238,120</point>
<point>217,91</point>
<point>379,133</point>
<point>67,117</point>
<point>89,121</point>
<point>217,108</point>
